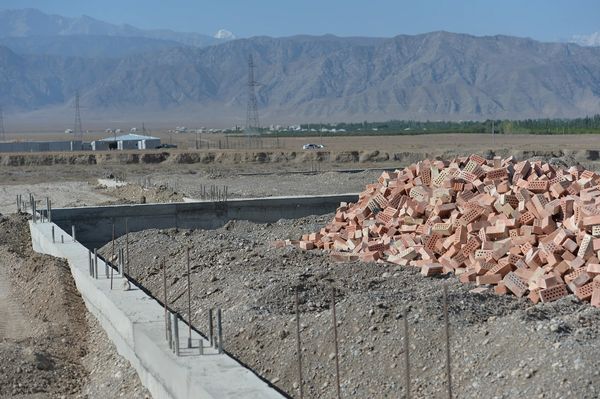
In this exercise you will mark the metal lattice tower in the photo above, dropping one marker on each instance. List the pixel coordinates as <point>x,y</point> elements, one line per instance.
<point>2,132</point>
<point>252,123</point>
<point>77,129</point>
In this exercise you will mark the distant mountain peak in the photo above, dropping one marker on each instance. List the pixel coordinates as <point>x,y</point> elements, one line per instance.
<point>593,39</point>
<point>224,34</point>
<point>32,22</point>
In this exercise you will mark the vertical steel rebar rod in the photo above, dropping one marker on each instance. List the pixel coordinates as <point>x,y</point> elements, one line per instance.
<point>113,241</point>
<point>175,333</point>
<point>299,345</point>
<point>447,323</point>
<point>406,355</point>
<point>210,327</point>
<point>220,329</point>
<point>112,269</point>
<point>335,342</point>
<point>189,290</point>
<point>95,263</point>
<point>127,244</point>
<point>164,267</point>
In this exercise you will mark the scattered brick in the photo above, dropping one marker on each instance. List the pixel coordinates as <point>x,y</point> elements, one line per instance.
<point>521,227</point>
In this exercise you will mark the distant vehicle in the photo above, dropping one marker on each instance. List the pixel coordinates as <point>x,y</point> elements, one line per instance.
<point>165,145</point>
<point>311,146</point>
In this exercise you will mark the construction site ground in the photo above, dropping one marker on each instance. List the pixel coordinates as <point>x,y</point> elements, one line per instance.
<point>50,346</point>
<point>500,346</point>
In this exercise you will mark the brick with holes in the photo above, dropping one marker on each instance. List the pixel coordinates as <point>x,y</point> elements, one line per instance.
<point>515,284</point>
<point>553,293</point>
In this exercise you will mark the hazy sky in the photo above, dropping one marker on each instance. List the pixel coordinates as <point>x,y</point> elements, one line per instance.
<point>547,20</point>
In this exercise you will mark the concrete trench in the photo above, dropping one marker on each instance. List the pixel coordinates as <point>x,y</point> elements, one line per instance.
<point>132,319</point>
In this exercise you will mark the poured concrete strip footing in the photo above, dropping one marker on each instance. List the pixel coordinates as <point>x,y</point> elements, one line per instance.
<point>135,324</point>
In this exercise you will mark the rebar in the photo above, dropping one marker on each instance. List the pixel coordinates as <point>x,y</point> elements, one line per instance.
<point>210,328</point>
<point>96,263</point>
<point>220,329</point>
<point>73,233</point>
<point>127,245</point>
<point>447,323</point>
<point>189,292</point>
<point>122,262</point>
<point>53,237</point>
<point>112,269</point>
<point>165,298</point>
<point>112,255</point>
<point>335,342</point>
<point>106,269</point>
<point>406,355</point>
<point>175,336</point>
<point>299,345</point>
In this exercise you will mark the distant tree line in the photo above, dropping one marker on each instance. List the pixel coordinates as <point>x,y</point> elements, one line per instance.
<point>586,125</point>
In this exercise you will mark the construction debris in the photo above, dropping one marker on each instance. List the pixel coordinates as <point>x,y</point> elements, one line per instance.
<point>523,227</point>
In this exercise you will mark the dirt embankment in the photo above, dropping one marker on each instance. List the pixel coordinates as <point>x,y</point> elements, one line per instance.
<point>276,156</point>
<point>50,347</point>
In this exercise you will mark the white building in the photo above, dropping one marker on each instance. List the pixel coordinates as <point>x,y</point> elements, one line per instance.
<point>126,142</point>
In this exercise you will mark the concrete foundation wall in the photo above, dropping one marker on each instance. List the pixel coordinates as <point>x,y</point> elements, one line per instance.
<point>94,224</point>
<point>135,324</point>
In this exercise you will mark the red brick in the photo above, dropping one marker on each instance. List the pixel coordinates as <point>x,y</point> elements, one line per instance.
<point>553,293</point>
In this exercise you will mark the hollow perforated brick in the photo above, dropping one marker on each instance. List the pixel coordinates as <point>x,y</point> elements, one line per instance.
<point>553,293</point>
<point>478,159</point>
<point>497,174</point>
<point>585,291</point>
<point>538,186</point>
<point>515,284</point>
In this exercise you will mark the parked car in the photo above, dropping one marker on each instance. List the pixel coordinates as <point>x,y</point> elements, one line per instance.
<point>311,146</point>
<point>165,145</point>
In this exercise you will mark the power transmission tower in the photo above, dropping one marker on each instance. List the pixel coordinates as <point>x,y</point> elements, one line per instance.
<point>77,129</point>
<point>2,132</point>
<point>252,123</point>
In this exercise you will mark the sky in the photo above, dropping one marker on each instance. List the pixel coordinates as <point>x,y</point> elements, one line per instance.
<point>545,20</point>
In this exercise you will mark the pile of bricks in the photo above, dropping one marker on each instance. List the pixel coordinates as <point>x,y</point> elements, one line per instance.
<point>526,228</point>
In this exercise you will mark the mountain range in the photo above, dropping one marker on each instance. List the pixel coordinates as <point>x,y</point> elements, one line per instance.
<point>153,75</point>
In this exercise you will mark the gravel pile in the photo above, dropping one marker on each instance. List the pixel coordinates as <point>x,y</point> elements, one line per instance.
<point>500,346</point>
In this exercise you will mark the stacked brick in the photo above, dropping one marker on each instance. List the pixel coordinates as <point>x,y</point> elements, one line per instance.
<point>525,228</point>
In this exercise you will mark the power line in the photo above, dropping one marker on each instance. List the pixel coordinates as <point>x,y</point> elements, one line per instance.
<point>252,123</point>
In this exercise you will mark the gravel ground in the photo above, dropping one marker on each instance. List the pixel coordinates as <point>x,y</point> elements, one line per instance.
<point>50,347</point>
<point>243,186</point>
<point>501,347</point>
